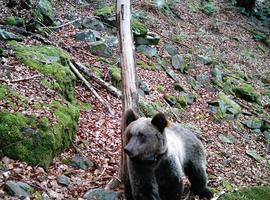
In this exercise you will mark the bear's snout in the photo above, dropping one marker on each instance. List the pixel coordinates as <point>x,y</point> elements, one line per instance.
<point>127,151</point>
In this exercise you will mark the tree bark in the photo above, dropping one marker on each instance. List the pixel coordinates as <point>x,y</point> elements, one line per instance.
<point>129,78</point>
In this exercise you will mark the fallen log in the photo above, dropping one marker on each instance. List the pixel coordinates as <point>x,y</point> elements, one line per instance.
<point>90,87</point>
<point>113,90</point>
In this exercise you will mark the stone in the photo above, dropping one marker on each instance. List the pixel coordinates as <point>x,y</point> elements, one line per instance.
<point>267,136</point>
<point>19,189</point>
<point>99,48</point>
<point>217,76</point>
<point>253,123</point>
<point>101,194</point>
<point>173,75</point>
<point>203,80</point>
<point>192,82</point>
<point>87,36</point>
<point>14,21</point>
<point>246,92</point>
<point>81,162</point>
<point>111,41</point>
<point>178,63</point>
<point>45,8</point>
<point>227,138</point>
<point>144,87</point>
<point>253,154</point>
<point>138,28</point>
<point>92,23</point>
<point>5,35</point>
<point>172,51</point>
<point>63,180</point>
<point>147,50</point>
<point>205,60</point>
<point>150,39</point>
<point>171,100</point>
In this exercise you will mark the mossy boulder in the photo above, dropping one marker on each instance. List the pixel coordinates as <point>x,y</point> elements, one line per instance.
<point>14,21</point>
<point>44,12</point>
<point>138,28</point>
<point>247,92</point>
<point>115,73</point>
<point>100,48</point>
<point>35,140</point>
<point>224,107</point>
<point>50,61</point>
<point>248,193</point>
<point>105,12</point>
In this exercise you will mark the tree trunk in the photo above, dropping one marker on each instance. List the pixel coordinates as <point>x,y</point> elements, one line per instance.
<point>128,75</point>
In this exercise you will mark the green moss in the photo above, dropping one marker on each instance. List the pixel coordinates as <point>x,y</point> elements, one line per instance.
<point>251,193</point>
<point>44,140</point>
<point>149,109</point>
<point>160,88</point>
<point>105,12</point>
<point>226,107</point>
<point>115,73</point>
<point>209,8</point>
<point>3,92</point>
<point>138,27</point>
<point>145,66</point>
<point>14,21</point>
<point>98,72</point>
<point>246,92</point>
<point>50,61</point>
<point>182,101</point>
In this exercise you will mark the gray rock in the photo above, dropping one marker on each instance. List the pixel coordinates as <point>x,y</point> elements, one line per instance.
<point>192,82</point>
<point>45,8</point>
<point>29,131</point>
<point>87,36</point>
<point>5,35</point>
<point>178,63</point>
<point>19,189</point>
<point>172,51</point>
<point>63,180</point>
<point>101,194</point>
<point>144,87</point>
<point>267,135</point>
<point>147,50</point>
<point>203,80</point>
<point>93,24</point>
<point>150,39</point>
<point>111,41</point>
<point>99,48</point>
<point>172,75</point>
<point>230,139</point>
<point>81,162</point>
<point>253,123</point>
<point>205,60</point>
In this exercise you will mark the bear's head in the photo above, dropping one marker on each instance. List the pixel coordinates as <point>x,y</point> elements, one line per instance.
<point>146,138</point>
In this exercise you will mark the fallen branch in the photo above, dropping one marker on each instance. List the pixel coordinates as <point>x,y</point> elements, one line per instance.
<point>20,79</point>
<point>113,90</point>
<point>62,25</point>
<point>218,195</point>
<point>89,86</point>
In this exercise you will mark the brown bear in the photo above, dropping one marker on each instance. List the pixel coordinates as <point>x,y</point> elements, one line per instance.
<point>158,156</point>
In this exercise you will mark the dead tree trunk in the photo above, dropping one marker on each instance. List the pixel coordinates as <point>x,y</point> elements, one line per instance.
<point>128,75</point>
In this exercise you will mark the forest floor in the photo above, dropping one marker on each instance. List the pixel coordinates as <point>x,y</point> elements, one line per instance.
<point>222,37</point>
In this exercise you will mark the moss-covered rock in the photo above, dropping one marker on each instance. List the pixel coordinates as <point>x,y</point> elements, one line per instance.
<point>44,12</point>
<point>105,12</point>
<point>14,21</point>
<point>254,193</point>
<point>225,108</point>
<point>35,140</point>
<point>247,92</point>
<point>51,61</point>
<point>115,73</point>
<point>138,28</point>
<point>3,92</point>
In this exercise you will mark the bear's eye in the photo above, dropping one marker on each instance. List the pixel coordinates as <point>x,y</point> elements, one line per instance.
<point>141,137</point>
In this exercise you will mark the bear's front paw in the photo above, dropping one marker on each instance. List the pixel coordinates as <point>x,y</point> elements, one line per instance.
<point>206,193</point>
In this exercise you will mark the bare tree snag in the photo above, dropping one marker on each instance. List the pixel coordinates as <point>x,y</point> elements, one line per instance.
<point>90,87</point>
<point>129,78</point>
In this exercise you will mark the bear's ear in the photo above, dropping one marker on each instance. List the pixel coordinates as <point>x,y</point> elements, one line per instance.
<point>129,117</point>
<point>160,121</point>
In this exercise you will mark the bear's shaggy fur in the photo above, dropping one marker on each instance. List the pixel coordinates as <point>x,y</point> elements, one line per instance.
<point>158,156</point>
